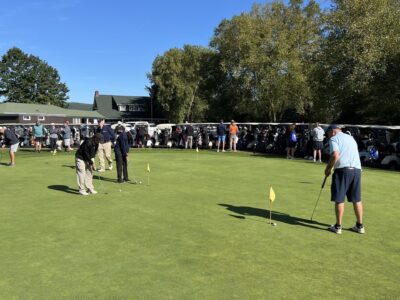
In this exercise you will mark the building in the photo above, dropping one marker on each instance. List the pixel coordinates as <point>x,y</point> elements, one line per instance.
<point>126,108</point>
<point>26,113</point>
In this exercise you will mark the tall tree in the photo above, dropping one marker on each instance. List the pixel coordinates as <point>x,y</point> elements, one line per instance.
<point>27,79</point>
<point>177,78</point>
<point>266,57</point>
<point>360,62</point>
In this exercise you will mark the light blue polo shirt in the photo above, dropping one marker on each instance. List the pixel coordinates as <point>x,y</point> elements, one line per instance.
<point>348,151</point>
<point>38,131</point>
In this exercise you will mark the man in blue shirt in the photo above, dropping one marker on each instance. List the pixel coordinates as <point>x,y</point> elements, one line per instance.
<point>346,179</point>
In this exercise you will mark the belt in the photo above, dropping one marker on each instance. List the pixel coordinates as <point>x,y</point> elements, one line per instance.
<point>346,168</point>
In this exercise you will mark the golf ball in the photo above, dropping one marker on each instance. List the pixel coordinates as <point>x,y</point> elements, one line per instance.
<point>273,224</point>
<point>140,182</point>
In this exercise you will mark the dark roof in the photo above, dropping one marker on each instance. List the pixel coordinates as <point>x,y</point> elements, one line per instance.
<point>11,108</point>
<point>130,100</point>
<point>107,105</point>
<point>80,106</point>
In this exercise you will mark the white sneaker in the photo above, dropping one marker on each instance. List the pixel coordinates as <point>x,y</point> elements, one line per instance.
<point>334,229</point>
<point>83,193</point>
<point>92,191</point>
<point>101,170</point>
<point>110,167</point>
<point>357,229</point>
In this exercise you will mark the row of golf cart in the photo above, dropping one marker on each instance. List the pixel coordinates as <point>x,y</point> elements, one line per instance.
<point>379,146</point>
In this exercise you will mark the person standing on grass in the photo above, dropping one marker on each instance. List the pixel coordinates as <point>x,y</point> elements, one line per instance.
<point>53,139</point>
<point>107,137</point>
<point>189,131</point>
<point>85,165</point>
<point>346,179</point>
<point>291,141</point>
<point>221,133</point>
<point>233,135</point>
<point>10,139</point>
<point>317,135</point>
<point>67,136</point>
<point>121,150</point>
<point>38,136</point>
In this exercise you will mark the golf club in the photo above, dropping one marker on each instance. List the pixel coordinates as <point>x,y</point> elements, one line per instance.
<point>319,196</point>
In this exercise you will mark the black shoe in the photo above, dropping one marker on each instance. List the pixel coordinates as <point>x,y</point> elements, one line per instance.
<point>120,181</point>
<point>127,180</point>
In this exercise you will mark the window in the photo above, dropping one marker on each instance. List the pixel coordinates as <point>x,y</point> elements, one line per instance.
<point>26,118</point>
<point>41,118</point>
<point>76,120</point>
<point>136,107</point>
<point>122,108</point>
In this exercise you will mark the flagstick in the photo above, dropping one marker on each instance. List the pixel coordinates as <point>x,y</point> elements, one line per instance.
<point>270,212</point>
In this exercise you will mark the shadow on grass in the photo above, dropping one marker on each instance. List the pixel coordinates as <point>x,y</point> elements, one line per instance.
<point>96,176</point>
<point>67,166</point>
<point>64,188</point>
<point>244,211</point>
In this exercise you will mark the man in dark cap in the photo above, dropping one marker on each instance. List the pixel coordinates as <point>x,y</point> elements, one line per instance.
<point>346,179</point>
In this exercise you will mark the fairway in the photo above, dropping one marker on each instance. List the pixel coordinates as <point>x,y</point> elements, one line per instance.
<point>199,230</point>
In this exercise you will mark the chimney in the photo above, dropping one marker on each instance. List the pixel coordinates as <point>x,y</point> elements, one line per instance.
<point>96,94</point>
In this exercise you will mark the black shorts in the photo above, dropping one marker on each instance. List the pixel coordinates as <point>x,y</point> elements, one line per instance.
<point>38,139</point>
<point>317,145</point>
<point>292,144</point>
<point>346,182</point>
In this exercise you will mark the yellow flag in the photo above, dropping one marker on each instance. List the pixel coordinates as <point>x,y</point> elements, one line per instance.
<point>271,194</point>
<point>148,167</point>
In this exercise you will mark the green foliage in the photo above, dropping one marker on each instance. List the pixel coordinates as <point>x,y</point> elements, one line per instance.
<point>177,78</point>
<point>27,79</point>
<point>360,60</point>
<point>290,62</point>
<point>265,55</point>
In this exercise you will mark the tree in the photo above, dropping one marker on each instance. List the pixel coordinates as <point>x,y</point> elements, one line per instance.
<point>177,78</point>
<point>266,56</point>
<point>359,66</point>
<point>27,79</point>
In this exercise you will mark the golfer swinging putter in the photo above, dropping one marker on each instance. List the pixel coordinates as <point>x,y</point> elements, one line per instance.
<point>346,179</point>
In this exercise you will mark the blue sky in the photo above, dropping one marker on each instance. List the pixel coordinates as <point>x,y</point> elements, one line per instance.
<point>109,45</point>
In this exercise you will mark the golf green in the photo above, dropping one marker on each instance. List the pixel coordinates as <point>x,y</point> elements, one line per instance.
<point>196,228</point>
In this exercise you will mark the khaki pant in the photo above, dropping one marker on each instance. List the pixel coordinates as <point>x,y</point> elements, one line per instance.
<point>84,175</point>
<point>104,150</point>
<point>189,142</point>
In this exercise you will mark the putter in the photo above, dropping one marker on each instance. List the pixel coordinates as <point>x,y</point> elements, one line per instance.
<point>319,196</point>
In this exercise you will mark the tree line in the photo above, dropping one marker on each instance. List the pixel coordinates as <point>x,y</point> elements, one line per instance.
<point>289,62</point>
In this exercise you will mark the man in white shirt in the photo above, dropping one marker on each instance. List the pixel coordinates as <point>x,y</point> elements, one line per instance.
<point>317,135</point>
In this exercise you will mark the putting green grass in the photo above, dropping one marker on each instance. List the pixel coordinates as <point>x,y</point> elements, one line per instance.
<point>198,231</point>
